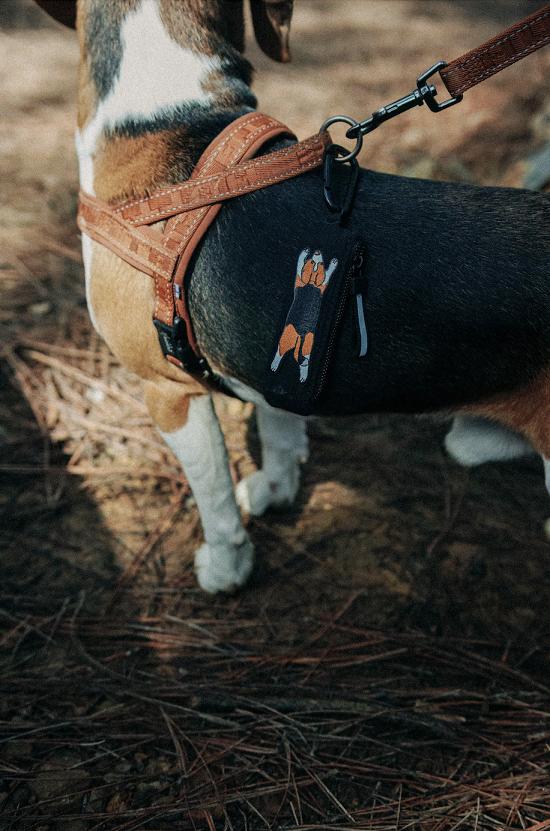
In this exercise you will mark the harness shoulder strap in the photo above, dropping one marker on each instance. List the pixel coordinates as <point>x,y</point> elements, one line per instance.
<point>187,226</point>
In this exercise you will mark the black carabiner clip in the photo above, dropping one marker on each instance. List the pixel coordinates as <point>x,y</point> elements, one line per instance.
<point>343,202</point>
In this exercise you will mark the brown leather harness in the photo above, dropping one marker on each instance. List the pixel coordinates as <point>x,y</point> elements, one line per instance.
<point>229,168</point>
<point>225,170</point>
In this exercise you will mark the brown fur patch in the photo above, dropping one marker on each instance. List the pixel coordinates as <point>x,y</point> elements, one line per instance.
<point>87,95</point>
<point>122,300</point>
<point>130,167</point>
<point>289,339</point>
<point>526,410</point>
<point>199,24</point>
<point>307,346</point>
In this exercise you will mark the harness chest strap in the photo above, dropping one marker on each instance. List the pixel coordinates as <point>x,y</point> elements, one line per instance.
<point>225,170</point>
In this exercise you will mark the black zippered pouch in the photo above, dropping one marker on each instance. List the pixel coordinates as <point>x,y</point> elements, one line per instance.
<point>329,273</point>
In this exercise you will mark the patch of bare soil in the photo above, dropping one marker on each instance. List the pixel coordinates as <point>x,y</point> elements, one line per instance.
<point>387,666</point>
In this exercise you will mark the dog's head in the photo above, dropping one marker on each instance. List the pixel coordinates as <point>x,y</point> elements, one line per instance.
<point>270,18</point>
<point>314,270</point>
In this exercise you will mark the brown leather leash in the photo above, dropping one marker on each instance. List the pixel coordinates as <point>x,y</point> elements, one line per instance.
<point>229,168</point>
<point>496,54</point>
<point>458,76</point>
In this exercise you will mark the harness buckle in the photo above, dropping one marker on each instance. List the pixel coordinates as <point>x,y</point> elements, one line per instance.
<point>175,344</point>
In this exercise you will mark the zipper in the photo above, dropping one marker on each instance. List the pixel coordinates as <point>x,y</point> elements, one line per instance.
<point>354,284</point>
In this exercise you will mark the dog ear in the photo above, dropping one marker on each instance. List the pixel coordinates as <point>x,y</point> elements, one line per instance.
<point>63,11</point>
<point>271,19</point>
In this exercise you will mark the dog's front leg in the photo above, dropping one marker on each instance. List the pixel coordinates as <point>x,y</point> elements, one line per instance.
<point>225,560</point>
<point>284,443</point>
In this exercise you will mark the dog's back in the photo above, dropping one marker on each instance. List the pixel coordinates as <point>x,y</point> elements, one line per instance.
<point>457,307</point>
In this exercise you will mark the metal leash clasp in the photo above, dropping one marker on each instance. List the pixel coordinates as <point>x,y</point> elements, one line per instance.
<point>425,93</point>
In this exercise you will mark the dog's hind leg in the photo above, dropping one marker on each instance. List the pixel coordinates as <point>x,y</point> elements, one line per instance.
<point>284,443</point>
<point>225,560</point>
<point>307,347</point>
<point>290,339</point>
<point>473,441</point>
<point>546,463</point>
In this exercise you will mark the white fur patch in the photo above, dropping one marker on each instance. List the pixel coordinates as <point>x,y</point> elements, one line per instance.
<point>87,254</point>
<point>155,74</point>
<point>245,392</point>
<point>473,441</point>
<point>284,447</point>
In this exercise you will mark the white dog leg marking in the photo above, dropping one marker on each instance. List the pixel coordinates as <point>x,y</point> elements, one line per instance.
<point>284,446</point>
<point>546,463</point>
<point>276,361</point>
<point>225,560</point>
<point>86,166</point>
<point>473,441</point>
<point>330,270</point>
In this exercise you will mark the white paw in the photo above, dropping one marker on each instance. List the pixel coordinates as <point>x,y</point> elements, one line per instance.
<point>464,451</point>
<point>254,494</point>
<point>304,369</point>
<point>276,361</point>
<point>473,441</point>
<point>257,492</point>
<point>225,567</point>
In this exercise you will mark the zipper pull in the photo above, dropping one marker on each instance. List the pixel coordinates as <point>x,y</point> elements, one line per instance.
<point>358,286</point>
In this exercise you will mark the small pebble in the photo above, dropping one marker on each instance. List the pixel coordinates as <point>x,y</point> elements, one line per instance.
<point>40,309</point>
<point>95,395</point>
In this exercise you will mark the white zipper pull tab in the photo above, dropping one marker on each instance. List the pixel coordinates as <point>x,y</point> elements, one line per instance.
<point>358,285</point>
<point>361,325</point>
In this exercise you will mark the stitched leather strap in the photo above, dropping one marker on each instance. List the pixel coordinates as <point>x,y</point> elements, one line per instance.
<point>186,228</point>
<point>224,171</point>
<point>140,247</point>
<point>243,178</point>
<point>510,46</point>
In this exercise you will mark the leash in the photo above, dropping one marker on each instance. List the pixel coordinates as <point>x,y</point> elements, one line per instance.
<point>458,76</point>
<point>227,169</point>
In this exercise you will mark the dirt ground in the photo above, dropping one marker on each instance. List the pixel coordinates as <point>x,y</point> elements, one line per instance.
<point>427,577</point>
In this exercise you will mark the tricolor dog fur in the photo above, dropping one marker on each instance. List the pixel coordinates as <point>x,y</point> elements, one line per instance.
<point>298,335</point>
<point>458,304</point>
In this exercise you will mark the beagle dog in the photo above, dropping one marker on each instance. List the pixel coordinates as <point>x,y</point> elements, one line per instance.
<point>299,332</point>
<point>458,305</point>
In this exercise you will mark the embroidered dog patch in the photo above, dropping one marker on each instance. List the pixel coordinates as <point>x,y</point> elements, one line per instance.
<point>298,336</point>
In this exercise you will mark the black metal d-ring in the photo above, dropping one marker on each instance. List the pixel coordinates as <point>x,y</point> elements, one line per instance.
<point>351,122</point>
